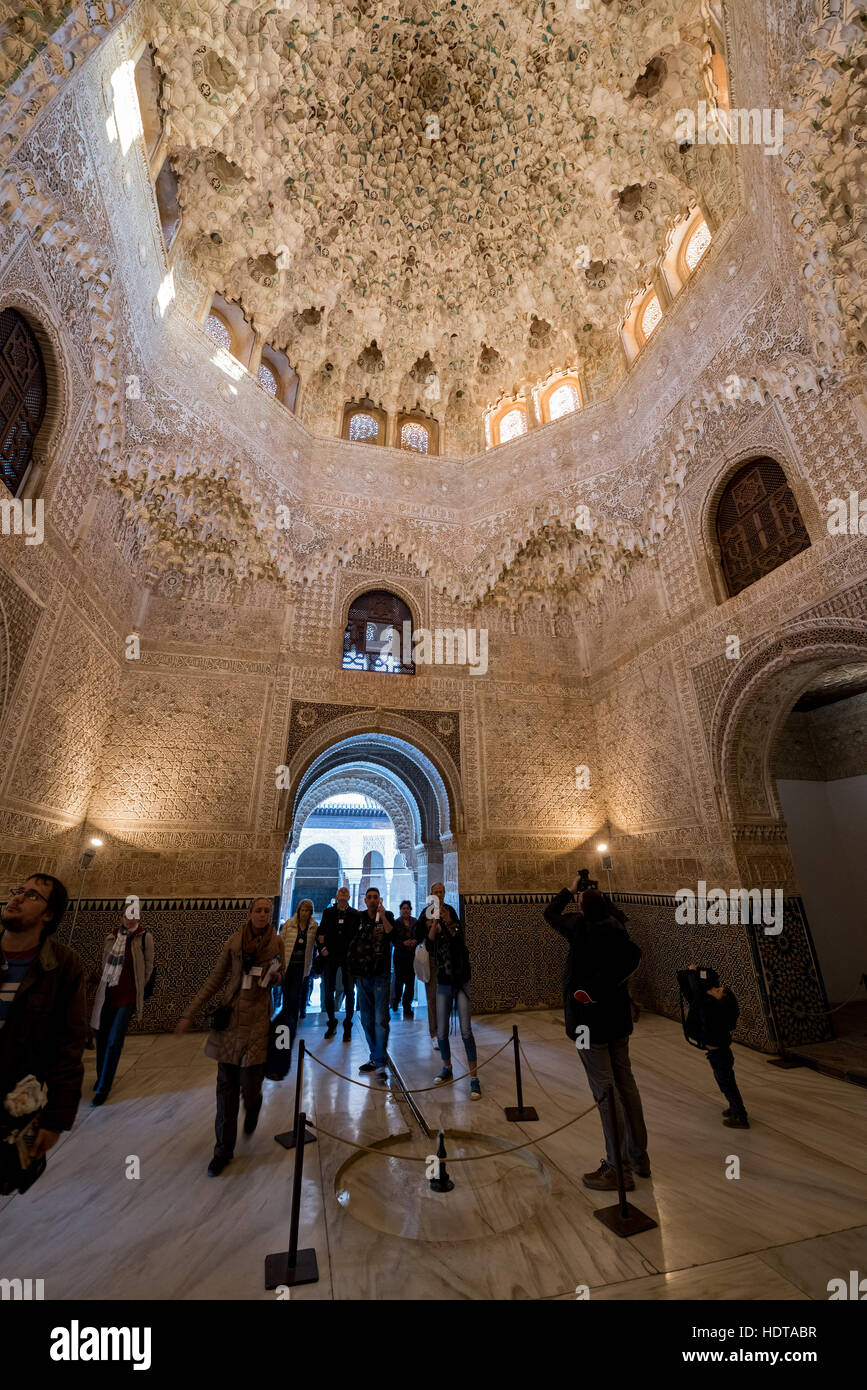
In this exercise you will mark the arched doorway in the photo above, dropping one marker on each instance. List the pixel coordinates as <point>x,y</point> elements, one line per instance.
<point>317,876</point>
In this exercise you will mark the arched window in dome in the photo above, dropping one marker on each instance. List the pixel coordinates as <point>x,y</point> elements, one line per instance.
<point>698,243</point>
<point>651,315</point>
<point>363,426</point>
<point>563,401</point>
<point>217,328</point>
<point>266,378</point>
<point>414,435</point>
<point>364,422</point>
<point>758,524</point>
<point>373,640</point>
<point>513,424</point>
<point>23,397</point>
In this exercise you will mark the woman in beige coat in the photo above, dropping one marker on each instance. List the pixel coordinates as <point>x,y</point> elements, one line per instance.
<point>249,964</point>
<point>296,939</point>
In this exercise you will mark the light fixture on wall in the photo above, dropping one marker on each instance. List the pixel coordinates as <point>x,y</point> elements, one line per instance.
<point>601,849</point>
<point>85,862</point>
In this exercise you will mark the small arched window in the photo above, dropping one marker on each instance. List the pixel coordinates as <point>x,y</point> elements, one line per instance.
<point>698,243</point>
<point>415,436</point>
<point>217,328</point>
<point>23,396</point>
<point>563,401</point>
<point>513,424</point>
<point>267,378</point>
<point>758,523</point>
<point>363,426</point>
<point>378,634</point>
<point>651,316</point>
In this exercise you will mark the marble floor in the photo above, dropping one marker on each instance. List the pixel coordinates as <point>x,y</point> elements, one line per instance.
<point>518,1225</point>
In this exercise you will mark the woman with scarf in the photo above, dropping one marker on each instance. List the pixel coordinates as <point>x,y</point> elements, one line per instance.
<point>448,948</point>
<point>126,982</point>
<point>297,937</point>
<point>249,964</point>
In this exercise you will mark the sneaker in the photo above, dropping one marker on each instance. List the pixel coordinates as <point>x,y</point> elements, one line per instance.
<point>367,1066</point>
<point>434,1044</point>
<point>605,1180</point>
<point>347,1032</point>
<point>382,1077</point>
<point>445,1075</point>
<point>643,1169</point>
<point>330,1030</point>
<point>216,1166</point>
<point>475,1089</point>
<point>736,1122</point>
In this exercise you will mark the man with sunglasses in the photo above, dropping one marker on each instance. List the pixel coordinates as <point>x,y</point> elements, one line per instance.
<point>43,1016</point>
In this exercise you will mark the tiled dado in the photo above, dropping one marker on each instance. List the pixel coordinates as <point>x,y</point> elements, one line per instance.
<point>518,960</point>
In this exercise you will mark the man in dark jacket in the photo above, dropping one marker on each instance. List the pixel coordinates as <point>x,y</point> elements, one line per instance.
<point>713,1013</point>
<point>369,959</point>
<point>43,1016</point>
<point>338,926</point>
<point>599,1020</point>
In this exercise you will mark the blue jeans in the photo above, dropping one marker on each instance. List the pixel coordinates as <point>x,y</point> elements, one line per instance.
<point>373,1007</point>
<point>630,1117</point>
<point>113,1024</point>
<point>444,1008</point>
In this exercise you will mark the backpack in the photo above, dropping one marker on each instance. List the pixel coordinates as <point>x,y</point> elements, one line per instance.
<point>692,1018</point>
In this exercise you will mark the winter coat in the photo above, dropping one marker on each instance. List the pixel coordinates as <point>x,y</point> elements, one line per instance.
<point>710,1021</point>
<point>142,947</point>
<point>601,956</point>
<point>45,1033</point>
<point>245,1042</point>
<point>287,938</point>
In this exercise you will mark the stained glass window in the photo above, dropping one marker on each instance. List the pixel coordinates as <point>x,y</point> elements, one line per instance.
<point>563,401</point>
<point>216,329</point>
<point>267,379</point>
<point>651,316</point>
<point>363,426</point>
<point>758,523</point>
<point>697,245</point>
<point>413,436</point>
<point>22,397</point>
<point>512,425</point>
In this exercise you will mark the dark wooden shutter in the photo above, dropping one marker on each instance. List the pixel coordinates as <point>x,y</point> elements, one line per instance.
<point>22,397</point>
<point>759,526</point>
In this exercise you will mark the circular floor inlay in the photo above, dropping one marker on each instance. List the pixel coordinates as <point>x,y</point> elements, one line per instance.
<point>489,1197</point>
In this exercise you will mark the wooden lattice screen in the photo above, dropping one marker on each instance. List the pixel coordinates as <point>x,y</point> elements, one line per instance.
<point>758,524</point>
<point>22,397</point>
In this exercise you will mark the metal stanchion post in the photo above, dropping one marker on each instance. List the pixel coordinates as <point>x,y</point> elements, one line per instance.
<point>441,1183</point>
<point>625,1219</point>
<point>293,1266</point>
<point>519,1111</point>
<point>287,1138</point>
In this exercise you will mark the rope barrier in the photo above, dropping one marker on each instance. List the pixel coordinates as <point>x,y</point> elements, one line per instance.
<point>410,1090</point>
<point>467,1158</point>
<point>545,1093</point>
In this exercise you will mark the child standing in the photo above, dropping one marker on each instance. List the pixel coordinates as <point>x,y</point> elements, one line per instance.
<point>713,1013</point>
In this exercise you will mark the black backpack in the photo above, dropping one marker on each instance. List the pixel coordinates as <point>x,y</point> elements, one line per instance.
<point>692,1017</point>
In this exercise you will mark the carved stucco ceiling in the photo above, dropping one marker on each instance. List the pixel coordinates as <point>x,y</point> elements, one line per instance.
<point>399,179</point>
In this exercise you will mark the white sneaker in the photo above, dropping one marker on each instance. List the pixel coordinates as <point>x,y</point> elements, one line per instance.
<point>435,1045</point>
<point>382,1077</point>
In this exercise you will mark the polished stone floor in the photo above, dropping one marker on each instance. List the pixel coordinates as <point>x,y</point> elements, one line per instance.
<point>518,1225</point>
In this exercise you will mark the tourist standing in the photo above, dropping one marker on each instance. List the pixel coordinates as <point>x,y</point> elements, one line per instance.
<point>248,963</point>
<point>43,1020</point>
<point>438,892</point>
<point>126,981</point>
<point>369,960</point>
<point>335,932</point>
<point>448,948</point>
<point>404,946</point>
<point>596,999</point>
<point>297,937</point>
